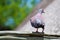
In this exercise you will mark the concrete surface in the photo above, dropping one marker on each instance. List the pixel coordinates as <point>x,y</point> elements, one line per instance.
<point>52,20</point>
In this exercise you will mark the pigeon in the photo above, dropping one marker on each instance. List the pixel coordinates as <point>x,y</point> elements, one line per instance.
<point>37,20</point>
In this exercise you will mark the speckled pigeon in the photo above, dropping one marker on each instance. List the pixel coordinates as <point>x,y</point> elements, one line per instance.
<point>37,20</point>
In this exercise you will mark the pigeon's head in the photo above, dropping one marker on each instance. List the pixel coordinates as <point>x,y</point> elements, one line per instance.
<point>41,11</point>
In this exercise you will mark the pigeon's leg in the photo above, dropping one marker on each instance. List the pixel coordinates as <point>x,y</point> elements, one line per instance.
<point>37,30</point>
<point>43,29</point>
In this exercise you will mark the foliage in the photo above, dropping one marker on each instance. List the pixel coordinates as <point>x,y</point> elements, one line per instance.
<point>13,12</point>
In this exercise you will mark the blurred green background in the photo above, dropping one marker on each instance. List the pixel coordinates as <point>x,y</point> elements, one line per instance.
<point>13,12</point>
